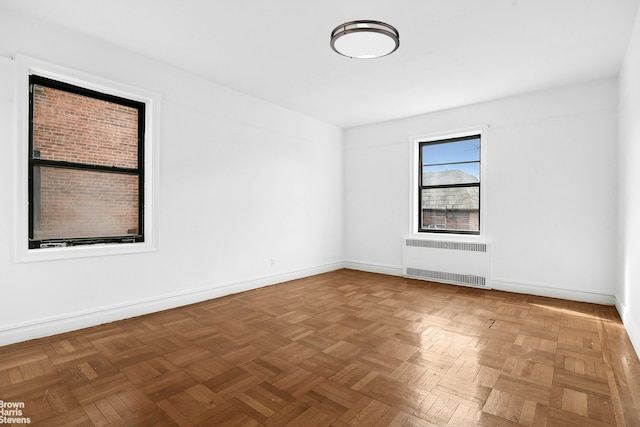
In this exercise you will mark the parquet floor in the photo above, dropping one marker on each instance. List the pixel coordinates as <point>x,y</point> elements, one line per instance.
<point>342,348</point>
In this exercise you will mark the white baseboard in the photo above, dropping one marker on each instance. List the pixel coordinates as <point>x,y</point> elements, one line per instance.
<point>502,285</point>
<point>374,268</point>
<point>45,327</point>
<point>69,322</point>
<point>553,292</point>
<point>632,329</point>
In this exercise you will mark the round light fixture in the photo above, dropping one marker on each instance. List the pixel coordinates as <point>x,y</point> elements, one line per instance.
<point>365,39</point>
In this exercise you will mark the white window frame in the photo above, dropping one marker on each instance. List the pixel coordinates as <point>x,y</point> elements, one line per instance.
<point>414,198</point>
<point>26,66</point>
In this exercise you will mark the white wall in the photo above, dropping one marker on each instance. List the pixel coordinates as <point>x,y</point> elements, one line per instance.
<point>241,182</point>
<point>628,292</point>
<point>550,188</point>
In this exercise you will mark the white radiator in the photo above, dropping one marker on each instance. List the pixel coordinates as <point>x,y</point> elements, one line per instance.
<point>459,263</point>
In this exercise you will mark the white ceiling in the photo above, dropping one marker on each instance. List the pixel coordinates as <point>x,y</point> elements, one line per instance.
<point>452,52</point>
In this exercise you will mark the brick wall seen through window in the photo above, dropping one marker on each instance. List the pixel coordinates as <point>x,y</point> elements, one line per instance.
<point>85,155</point>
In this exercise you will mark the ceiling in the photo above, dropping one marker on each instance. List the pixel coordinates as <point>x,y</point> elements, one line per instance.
<point>452,52</point>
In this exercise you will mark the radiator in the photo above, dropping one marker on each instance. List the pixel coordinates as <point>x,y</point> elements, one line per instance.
<point>459,263</point>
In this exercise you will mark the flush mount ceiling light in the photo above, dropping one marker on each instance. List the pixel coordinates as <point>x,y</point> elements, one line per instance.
<point>365,39</point>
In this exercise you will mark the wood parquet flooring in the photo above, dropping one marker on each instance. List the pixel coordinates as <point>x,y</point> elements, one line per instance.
<point>337,349</point>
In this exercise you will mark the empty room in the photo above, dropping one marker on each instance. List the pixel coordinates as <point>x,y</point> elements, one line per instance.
<point>320,213</point>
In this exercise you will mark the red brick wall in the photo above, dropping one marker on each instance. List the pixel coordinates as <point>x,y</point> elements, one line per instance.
<point>460,220</point>
<point>81,129</point>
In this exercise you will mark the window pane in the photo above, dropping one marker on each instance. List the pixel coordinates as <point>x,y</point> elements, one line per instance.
<point>75,203</point>
<point>77,128</point>
<point>451,209</point>
<point>465,173</point>
<point>467,150</point>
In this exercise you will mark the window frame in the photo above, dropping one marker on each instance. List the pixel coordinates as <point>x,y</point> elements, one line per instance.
<point>36,161</point>
<point>415,212</point>
<point>25,67</point>
<point>422,186</point>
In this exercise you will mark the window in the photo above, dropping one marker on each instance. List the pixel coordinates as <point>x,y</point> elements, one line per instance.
<point>86,166</point>
<point>449,185</point>
<point>83,143</point>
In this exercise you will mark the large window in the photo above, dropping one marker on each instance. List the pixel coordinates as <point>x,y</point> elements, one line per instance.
<point>449,185</point>
<point>86,166</point>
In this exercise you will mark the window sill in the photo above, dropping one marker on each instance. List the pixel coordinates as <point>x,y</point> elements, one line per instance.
<point>86,251</point>
<point>447,237</point>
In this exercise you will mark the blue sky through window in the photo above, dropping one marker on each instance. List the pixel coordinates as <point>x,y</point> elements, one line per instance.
<point>467,150</point>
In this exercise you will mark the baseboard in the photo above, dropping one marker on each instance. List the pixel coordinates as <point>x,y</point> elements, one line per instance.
<point>503,285</point>
<point>374,268</point>
<point>46,327</point>
<point>632,329</point>
<point>553,292</point>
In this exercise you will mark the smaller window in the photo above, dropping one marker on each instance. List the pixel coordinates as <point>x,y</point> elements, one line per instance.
<point>449,186</point>
<point>86,166</point>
